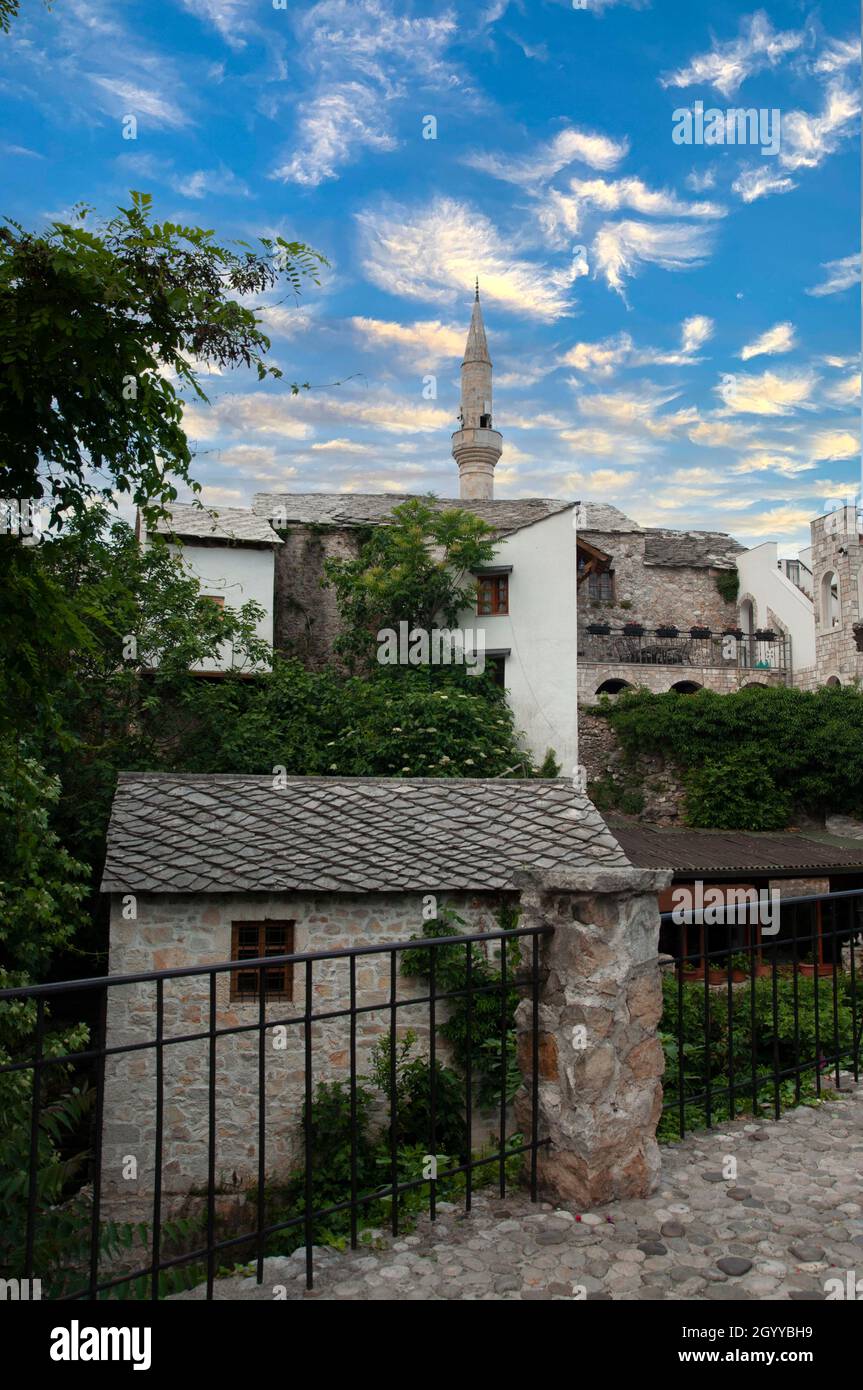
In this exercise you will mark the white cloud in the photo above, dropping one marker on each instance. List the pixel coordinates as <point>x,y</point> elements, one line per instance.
<point>228,17</point>
<point>203,182</point>
<point>773,463</point>
<point>424,339</point>
<point>621,248</point>
<point>548,158</point>
<point>846,391</point>
<point>342,446</point>
<point>808,140</point>
<point>610,195</point>
<point>596,442</point>
<point>600,481</point>
<point>759,181</point>
<point>332,127</point>
<point>719,434</point>
<point>769,394</point>
<point>833,445</point>
<point>779,338</point>
<point>726,66</point>
<point>601,359</point>
<point>837,55</point>
<point>434,254</point>
<point>841,275</point>
<point>127,98</point>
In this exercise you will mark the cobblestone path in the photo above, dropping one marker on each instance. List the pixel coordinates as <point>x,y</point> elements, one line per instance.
<point>791,1220</point>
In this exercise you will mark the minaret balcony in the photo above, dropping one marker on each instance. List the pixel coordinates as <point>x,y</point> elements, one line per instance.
<point>473,438</point>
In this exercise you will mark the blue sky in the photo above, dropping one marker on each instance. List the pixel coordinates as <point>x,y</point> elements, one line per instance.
<point>696,361</point>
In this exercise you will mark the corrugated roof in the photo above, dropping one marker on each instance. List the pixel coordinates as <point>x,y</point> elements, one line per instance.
<point>703,851</point>
<point>375,508</point>
<point>219,833</point>
<point>690,549</point>
<point>217,523</point>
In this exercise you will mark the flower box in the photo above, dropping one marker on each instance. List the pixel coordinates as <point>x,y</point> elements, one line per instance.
<point>668,630</point>
<point>699,631</point>
<point>599,629</point>
<point>633,629</point>
<point>765,634</point>
<point>733,632</point>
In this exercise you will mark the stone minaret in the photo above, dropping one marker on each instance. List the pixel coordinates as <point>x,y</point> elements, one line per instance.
<point>476,447</point>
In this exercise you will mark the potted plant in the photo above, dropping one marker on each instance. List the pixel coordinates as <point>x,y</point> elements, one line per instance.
<point>733,632</point>
<point>633,629</point>
<point>599,629</point>
<point>698,630</point>
<point>809,966</point>
<point>668,630</point>
<point>765,634</point>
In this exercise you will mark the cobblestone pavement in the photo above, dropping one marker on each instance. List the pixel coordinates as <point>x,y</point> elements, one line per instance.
<point>791,1220</point>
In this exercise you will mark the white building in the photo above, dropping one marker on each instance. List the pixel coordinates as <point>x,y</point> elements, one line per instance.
<point>231,553</point>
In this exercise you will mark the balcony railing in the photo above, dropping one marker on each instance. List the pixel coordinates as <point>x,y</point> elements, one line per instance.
<point>718,650</point>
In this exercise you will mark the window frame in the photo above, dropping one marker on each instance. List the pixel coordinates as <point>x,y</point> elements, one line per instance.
<point>497,586</point>
<point>260,927</point>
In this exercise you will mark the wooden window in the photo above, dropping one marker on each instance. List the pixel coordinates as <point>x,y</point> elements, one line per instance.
<point>251,941</point>
<point>217,599</point>
<point>600,586</point>
<point>492,595</point>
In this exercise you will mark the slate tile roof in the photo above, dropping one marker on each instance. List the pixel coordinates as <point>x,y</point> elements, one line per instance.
<point>703,851</point>
<point>217,523</point>
<point>374,508</point>
<point>690,549</point>
<point>215,832</point>
<point>603,517</point>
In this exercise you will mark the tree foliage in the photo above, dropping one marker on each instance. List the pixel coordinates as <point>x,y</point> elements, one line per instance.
<point>417,569</point>
<point>100,330</point>
<point>749,759</point>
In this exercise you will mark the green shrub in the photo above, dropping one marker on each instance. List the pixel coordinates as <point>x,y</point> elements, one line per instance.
<point>779,1047</point>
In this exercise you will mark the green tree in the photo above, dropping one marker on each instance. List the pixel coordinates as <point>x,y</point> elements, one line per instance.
<point>417,569</point>
<point>96,327</point>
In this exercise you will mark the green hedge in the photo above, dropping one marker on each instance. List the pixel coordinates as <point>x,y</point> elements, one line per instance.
<point>750,760</point>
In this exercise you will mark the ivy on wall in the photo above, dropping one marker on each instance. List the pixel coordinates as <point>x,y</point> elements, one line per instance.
<point>750,760</point>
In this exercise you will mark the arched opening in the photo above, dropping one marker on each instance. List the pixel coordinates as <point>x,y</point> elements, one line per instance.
<point>687,687</point>
<point>747,616</point>
<point>613,687</point>
<point>754,685</point>
<point>833,680</point>
<point>830,607</point>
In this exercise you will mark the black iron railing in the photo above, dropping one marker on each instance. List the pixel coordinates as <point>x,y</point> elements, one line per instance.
<point>653,647</point>
<point>518,969</point>
<point>757,1019</point>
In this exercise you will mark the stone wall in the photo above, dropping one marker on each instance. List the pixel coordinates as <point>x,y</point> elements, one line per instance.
<point>592,675</point>
<point>307,620</point>
<point>600,1060</point>
<point>186,930</point>
<point>654,594</point>
<point>837,548</point>
<point>651,776</point>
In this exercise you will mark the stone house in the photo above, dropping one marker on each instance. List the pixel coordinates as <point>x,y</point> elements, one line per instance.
<point>652,590</point>
<point>203,869</point>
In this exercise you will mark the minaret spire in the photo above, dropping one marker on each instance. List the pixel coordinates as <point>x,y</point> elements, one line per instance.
<point>476,446</point>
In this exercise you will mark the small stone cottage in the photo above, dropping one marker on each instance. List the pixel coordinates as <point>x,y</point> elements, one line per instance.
<point>211,868</point>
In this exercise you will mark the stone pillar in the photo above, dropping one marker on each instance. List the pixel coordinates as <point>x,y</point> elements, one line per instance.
<point>600,1058</point>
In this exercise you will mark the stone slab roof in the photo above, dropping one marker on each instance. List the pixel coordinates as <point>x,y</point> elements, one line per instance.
<point>374,508</point>
<point>723,851</point>
<point>204,833</point>
<point>602,516</point>
<point>690,549</point>
<point>217,523</point>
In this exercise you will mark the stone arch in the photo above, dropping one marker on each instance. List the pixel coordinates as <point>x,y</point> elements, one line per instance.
<point>614,686</point>
<point>747,613</point>
<point>687,687</point>
<point>754,685</point>
<point>829,602</point>
<point>833,680</point>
